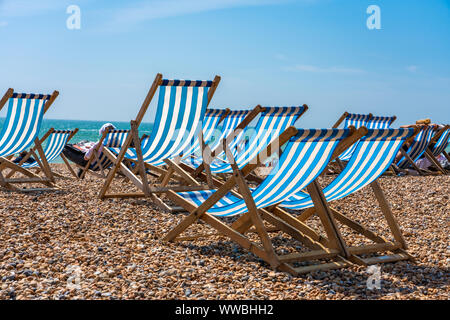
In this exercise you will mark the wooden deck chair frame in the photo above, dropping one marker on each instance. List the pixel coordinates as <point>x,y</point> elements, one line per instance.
<point>142,182</point>
<point>430,156</point>
<point>32,152</point>
<point>330,248</point>
<point>5,162</point>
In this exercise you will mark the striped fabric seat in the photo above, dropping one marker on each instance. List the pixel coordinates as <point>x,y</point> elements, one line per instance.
<point>56,143</point>
<point>23,122</point>
<point>442,143</point>
<point>418,146</point>
<point>209,126</point>
<point>306,155</point>
<point>356,120</point>
<point>113,140</point>
<point>377,122</point>
<point>181,107</point>
<point>373,155</point>
<point>273,121</point>
<point>229,124</point>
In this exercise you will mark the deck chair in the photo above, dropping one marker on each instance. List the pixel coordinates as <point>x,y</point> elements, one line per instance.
<point>305,156</point>
<point>373,155</point>
<point>438,144</point>
<point>57,139</point>
<point>20,130</point>
<point>99,162</point>
<point>416,149</point>
<point>377,122</point>
<point>181,107</point>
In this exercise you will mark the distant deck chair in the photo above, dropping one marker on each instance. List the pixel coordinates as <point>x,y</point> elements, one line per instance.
<point>181,107</point>
<point>20,130</point>
<point>438,144</point>
<point>373,155</point>
<point>416,149</point>
<point>99,162</point>
<point>57,140</point>
<point>305,156</point>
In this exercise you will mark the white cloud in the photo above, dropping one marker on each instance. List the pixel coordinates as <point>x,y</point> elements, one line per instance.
<point>157,9</point>
<point>412,68</point>
<point>315,69</point>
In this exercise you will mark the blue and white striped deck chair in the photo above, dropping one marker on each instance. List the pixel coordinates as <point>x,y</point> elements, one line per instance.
<point>272,122</point>
<point>416,149</point>
<point>357,121</point>
<point>181,107</point>
<point>439,143</point>
<point>56,141</point>
<point>377,122</point>
<point>114,140</point>
<point>306,154</point>
<point>373,155</point>
<point>229,124</point>
<point>20,130</point>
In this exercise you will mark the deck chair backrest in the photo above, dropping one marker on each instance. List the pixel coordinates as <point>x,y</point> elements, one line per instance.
<point>305,156</point>
<point>181,107</point>
<point>115,138</point>
<point>55,145</point>
<point>356,120</point>
<point>373,155</point>
<point>272,122</point>
<point>230,123</point>
<point>418,146</point>
<point>22,123</point>
<point>442,143</point>
<point>209,124</point>
<point>377,122</point>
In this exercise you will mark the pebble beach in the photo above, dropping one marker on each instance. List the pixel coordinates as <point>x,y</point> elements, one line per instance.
<point>69,244</point>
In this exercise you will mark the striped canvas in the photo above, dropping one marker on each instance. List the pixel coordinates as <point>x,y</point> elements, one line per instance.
<point>229,124</point>
<point>379,122</point>
<point>373,155</point>
<point>114,140</point>
<point>418,146</point>
<point>55,145</point>
<point>181,107</point>
<point>306,155</point>
<point>442,143</point>
<point>210,124</point>
<point>356,120</point>
<point>23,122</point>
<point>273,121</point>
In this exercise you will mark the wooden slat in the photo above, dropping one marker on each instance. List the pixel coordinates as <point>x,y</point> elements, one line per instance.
<point>310,255</point>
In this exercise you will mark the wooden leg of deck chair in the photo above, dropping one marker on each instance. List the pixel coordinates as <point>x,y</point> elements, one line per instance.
<point>446,155</point>
<point>45,166</point>
<point>434,161</point>
<point>323,211</point>
<point>140,163</point>
<point>33,178</point>
<point>176,168</point>
<point>305,215</point>
<point>386,209</point>
<point>411,161</point>
<point>68,165</point>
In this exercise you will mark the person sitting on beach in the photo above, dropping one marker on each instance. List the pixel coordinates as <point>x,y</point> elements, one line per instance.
<point>90,148</point>
<point>22,155</point>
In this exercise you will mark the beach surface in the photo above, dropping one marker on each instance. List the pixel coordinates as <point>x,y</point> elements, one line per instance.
<point>71,245</point>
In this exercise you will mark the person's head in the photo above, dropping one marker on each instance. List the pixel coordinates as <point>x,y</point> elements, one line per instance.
<point>106,126</point>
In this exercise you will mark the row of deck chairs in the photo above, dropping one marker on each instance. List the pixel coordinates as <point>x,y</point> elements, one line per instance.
<point>208,171</point>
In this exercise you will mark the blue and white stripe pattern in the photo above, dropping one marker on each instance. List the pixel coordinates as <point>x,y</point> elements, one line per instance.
<point>55,145</point>
<point>356,120</point>
<point>418,146</point>
<point>273,121</point>
<point>229,124</point>
<point>23,122</point>
<point>374,153</point>
<point>209,125</point>
<point>114,140</point>
<point>181,107</point>
<point>306,155</point>
<point>377,122</point>
<point>442,143</point>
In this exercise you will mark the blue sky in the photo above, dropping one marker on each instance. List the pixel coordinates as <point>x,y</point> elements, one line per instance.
<point>268,52</point>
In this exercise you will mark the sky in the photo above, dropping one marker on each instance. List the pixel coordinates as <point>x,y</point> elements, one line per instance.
<point>268,52</point>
